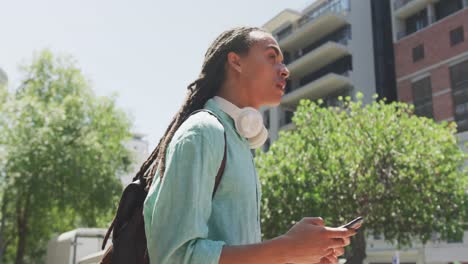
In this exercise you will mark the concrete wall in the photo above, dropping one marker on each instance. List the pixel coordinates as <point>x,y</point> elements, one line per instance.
<point>362,50</point>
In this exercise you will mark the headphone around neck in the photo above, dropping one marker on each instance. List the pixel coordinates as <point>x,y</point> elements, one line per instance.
<point>248,122</point>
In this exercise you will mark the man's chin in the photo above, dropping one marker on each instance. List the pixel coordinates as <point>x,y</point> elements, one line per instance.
<point>272,103</point>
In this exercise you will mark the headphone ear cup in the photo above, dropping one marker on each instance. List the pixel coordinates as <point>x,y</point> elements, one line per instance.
<point>249,122</point>
<point>259,140</point>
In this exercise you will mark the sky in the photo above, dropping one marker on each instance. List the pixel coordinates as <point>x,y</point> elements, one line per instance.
<point>146,52</point>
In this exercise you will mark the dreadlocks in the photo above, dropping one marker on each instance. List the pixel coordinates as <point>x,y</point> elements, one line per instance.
<point>205,87</point>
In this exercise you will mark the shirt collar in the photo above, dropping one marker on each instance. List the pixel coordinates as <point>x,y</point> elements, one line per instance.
<point>213,106</point>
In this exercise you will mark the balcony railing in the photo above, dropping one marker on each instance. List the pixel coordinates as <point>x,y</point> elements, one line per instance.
<point>400,3</point>
<point>431,20</point>
<point>309,79</point>
<point>303,82</point>
<point>284,32</point>
<point>288,115</point>
<point>303,52</point>
<point>341,39</point>
<point>336,6</point>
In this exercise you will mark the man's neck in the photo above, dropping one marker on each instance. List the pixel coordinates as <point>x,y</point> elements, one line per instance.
<point>235,95</point>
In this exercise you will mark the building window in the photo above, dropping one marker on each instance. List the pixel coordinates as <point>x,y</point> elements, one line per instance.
<point>286,57</point>
<point>288,115</point>
<point>422,97</point>
<point>418,53</point>
<point>456,36</point>
<point>341,35</point>
<point>267,145</point>
<point>341,66</point>
<point>459,81</point>
<point>332,99</point>
<point>288,88</point>
<point>284,32</point>
<point>416,22</point>
<point>377,236</point>
<point>447,7</point>
<point>266,118</point>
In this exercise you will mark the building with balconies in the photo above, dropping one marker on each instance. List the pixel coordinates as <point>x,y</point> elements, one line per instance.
<point>332,48</point>
<point>431,58</point>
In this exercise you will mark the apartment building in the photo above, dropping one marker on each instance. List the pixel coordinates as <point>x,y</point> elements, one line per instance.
<point>333,48</point>
<point>431,58</point>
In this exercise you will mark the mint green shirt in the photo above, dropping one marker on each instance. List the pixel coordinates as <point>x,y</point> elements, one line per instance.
<point>183,224</point>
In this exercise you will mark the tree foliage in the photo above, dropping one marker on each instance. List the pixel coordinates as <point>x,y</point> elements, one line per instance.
<point>401,172</point>
<point>62,153</point>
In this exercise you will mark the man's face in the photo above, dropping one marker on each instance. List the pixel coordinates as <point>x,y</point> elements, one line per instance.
<point>263,72</point>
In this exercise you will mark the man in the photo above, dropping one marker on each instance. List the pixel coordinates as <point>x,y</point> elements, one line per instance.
<point>243,70</point>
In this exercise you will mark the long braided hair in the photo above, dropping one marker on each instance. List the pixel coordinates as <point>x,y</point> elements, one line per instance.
<point>211,78</point>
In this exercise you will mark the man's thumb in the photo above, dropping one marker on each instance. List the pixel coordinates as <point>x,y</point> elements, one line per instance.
<point>315,221</point>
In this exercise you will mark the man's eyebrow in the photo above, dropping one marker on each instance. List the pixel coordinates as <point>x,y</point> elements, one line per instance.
<point>276,49</point>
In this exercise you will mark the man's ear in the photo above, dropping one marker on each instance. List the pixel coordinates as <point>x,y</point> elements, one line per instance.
<point>234,61</point>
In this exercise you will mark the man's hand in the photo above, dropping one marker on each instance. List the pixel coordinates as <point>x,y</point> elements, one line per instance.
<point>310,241</point>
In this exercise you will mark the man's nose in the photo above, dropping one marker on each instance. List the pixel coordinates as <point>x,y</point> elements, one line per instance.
<point>284,72</point>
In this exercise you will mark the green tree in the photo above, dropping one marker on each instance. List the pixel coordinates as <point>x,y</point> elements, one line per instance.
<point>6,233</point>
<point>401,172</point>
<point>62,153</point>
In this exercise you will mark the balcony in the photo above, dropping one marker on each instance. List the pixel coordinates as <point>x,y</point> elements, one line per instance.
<point>286,122</point>
<point>400,3</point>
<point>317,58</point>
<point>315,24</point>
<point>407,8</point>
<point>428,20</point>
<point>336,6</point>
<point>287,127</point>
<point>284,32</point>
<point>324,85</point>
<point>284,18</point>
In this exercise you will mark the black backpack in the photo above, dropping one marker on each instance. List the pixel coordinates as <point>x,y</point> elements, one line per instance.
<point>128,229</point>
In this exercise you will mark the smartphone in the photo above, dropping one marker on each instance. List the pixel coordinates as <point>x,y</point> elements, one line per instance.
<point>354,223</point>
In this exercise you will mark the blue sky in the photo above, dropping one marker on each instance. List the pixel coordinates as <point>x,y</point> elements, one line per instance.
<point>145,51</point>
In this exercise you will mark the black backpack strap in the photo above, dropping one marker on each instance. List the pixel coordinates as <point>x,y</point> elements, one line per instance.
<point>223,163</point>
<point>221,168</point>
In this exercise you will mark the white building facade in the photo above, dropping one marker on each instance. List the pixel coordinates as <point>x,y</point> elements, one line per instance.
<point>332,48</point>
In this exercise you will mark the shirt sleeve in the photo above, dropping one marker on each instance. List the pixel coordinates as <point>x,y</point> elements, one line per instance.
<point>181,212</point>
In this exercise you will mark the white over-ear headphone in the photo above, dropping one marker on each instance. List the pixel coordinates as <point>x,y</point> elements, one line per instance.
<point>248,121</point>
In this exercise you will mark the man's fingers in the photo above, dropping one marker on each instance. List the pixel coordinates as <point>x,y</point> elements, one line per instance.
<point>332,256</point>
<point>325,260</point>
<point>339,243</point>
<point>330,259</point>
<point>314,220</point>
<point>339,251</point>
<point>347,241</point>
<point>338,232</point>
<point>329,251</point>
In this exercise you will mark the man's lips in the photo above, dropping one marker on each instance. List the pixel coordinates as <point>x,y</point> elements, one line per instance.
<point>281,85</point>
